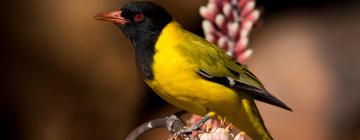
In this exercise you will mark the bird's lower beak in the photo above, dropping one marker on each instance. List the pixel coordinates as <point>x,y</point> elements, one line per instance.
<point>114,17</point>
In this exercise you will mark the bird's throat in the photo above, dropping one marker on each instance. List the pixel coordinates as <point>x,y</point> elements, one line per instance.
<point>145,51</point>
<point>144,43</point>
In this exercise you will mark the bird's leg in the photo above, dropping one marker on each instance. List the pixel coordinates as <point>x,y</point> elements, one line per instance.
<point>195,126</point>
<point>174,123</point>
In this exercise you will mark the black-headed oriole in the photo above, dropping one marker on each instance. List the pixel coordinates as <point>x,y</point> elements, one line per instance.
<point>190,72</point>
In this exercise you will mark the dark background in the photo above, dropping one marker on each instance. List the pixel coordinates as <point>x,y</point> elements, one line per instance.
<point>66,76</point>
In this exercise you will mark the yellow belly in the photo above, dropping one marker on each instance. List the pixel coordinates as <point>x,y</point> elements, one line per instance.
<point>176,80</point>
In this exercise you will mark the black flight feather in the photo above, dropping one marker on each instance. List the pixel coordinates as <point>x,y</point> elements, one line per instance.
<point>256,93</point>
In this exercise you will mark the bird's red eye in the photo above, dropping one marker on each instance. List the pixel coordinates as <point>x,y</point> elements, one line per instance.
<point>139,17</point>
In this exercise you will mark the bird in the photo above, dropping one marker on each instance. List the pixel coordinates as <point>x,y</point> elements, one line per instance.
<point>189,72</point>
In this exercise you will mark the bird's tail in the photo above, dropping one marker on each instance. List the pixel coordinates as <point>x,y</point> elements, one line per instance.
<point>250,121</point>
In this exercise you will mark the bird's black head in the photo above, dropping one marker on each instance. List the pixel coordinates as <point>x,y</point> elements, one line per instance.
<point>138,18</point>
<point>142,22</point>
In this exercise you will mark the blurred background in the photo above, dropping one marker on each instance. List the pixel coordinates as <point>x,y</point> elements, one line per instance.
<point>65,76</point>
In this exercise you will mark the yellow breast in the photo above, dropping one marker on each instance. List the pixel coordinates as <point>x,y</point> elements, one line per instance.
<point>176,80</point>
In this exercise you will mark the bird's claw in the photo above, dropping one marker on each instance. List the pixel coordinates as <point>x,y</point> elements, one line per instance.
<point>187,131</point>
<point>174,123</point>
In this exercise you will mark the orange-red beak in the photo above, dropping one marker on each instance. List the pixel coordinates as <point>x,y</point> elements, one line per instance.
<point>114,17</point>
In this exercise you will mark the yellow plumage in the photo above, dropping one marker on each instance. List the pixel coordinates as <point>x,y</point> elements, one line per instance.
<point>176,80</point>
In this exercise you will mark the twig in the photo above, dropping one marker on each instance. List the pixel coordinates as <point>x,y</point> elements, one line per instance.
<point>173,123</point>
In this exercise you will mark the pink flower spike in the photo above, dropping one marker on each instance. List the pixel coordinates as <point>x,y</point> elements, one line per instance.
<point>219,3</point>
<point>212,9</point>
<point>203,12</point>
<point>244,33</point>
<point>208,27</point>
<point>241,58</point>
<point>222,42</point>
<point>220,22</point>
<point>210,37</point>
<point>248,8</point>
<point>247,25</point>
<point>243,43</point>
<point>209,11</point>
<point>233,29</point>
<point>253,16</point>
<point>241,3</point>
<point>227,10</point>
<point>239,48</point>
<point>228,23</point>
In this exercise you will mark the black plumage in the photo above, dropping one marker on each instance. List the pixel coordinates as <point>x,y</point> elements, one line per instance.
<point>144,34</point>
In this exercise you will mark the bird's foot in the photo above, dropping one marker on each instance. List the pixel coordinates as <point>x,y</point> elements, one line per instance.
<point>185,132</point>
<point>174,123</point>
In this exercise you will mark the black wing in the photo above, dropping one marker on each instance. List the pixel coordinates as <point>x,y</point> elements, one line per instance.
<point>256,93</point>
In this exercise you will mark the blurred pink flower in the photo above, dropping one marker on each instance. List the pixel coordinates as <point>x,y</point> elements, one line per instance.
<point>221,133</point>
<point>227,24</point>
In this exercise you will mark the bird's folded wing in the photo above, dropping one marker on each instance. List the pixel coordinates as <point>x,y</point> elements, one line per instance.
<point>215,65</point>
<point>256,93</point>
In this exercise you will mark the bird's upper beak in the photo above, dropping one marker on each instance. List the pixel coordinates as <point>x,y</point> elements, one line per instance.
<point>114,17</point>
